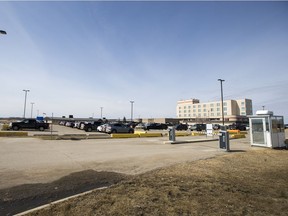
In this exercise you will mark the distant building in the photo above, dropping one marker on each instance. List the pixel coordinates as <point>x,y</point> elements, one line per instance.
<point>234,111</point>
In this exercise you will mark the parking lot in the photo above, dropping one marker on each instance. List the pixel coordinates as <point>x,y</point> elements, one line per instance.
<point>32,160</point>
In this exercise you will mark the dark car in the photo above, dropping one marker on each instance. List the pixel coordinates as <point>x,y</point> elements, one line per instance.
<point>198,127</point>
<point>181,127</point>
<point>216,127</point>
<point>155,126</point>
<point>29,124</point>
<point>88,127</point>
<point>237,126</point>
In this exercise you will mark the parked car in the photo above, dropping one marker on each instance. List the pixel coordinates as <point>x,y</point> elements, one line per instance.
<point>181,127</point>
<point>140,126</point>
<point>285,126</point>
<point>88,127</point>
<point>29,124</point>
<point>70,124</point>
<point>132,124</point>
<point>237,126</point>
<point>102,128</point>
<point>118,128</point>
<point>216,127</point>
<point>198,127</point>
<point>157,126</point>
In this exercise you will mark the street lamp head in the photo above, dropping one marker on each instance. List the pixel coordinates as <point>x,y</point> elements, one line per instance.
<point>221,80</point>
<point>26,90</point>
<point>3,32</point>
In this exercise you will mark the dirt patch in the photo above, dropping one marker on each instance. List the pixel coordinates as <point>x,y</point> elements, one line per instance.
<point>20,198</point>
<point>250,183</point>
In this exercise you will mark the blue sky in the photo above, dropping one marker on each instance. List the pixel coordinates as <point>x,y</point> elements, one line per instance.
<point>76,57</point>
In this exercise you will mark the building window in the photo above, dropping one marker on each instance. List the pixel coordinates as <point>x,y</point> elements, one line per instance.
<point>194,115</point>
<point>218,114</point>
<point>204,110</point>
<point>218,109</point>
<point>199,106</point>
<point>225,113</point>
<point>242,103</point>
<point>199,115</point>
<point>243,113</point>
<point>184,107</point>
<point>205,114</point>
<point>218,104</point>
<point>212,109</point>
<point>194,106</point>
<point>225,104</point>
<point>189,111</point>
<point>211,105</point>
<point>212,114</point>
<point>184,115</point>
<point>204,105</point>
<point>199,110</point>
<point>194,110</point>
<point>225,108</point>
<point>189,107</point>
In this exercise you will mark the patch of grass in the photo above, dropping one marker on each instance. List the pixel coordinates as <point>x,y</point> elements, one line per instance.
<point>13,134</point>
<point>250,183</point>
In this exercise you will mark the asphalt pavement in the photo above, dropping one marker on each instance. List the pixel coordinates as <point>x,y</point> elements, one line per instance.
<point>32,160</point>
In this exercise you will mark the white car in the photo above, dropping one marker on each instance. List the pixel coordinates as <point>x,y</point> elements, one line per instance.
<point>102,128</point>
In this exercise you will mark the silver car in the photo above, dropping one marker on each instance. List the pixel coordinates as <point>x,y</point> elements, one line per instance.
<point>118,128</point>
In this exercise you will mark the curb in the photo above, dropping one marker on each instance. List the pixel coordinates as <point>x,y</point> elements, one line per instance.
<point>58,201</point>
<point>190,141</point>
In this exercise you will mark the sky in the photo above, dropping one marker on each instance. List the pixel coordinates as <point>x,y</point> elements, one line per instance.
<point>76,57</point>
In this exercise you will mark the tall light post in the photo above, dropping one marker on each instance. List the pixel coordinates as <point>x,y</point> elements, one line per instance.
<point>221,80</point>
<point>32,103</point>
<point>131,110</point>
<point>25,90</point>
<point>101,111</point>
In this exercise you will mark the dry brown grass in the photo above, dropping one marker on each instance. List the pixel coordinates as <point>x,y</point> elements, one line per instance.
<point>248,183</point>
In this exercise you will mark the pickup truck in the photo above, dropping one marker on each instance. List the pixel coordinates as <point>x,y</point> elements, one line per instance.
<point>29,124</point>
<point>88,127</point>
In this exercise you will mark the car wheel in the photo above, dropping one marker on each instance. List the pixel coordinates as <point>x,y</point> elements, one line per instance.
<point>41,128</point>
<point>113,131</point>
<point>15,128</point>
<point>131,131</point>
<point>89,129</point>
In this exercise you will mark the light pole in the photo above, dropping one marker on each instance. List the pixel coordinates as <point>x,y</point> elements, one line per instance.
<point>32,103</point>
<point>131,110</point>
<point>101,111</point>
<point>25,90</point>
<point>221,80</point>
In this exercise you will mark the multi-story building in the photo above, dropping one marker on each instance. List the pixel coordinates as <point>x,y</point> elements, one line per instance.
<point>234,111</point>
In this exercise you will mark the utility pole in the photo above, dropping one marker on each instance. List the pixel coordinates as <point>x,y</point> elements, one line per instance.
<point>101,111</point>
<point>25,90</point>
<point>131,110</point>
<point>32,103</point>
<point>221,80</point>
